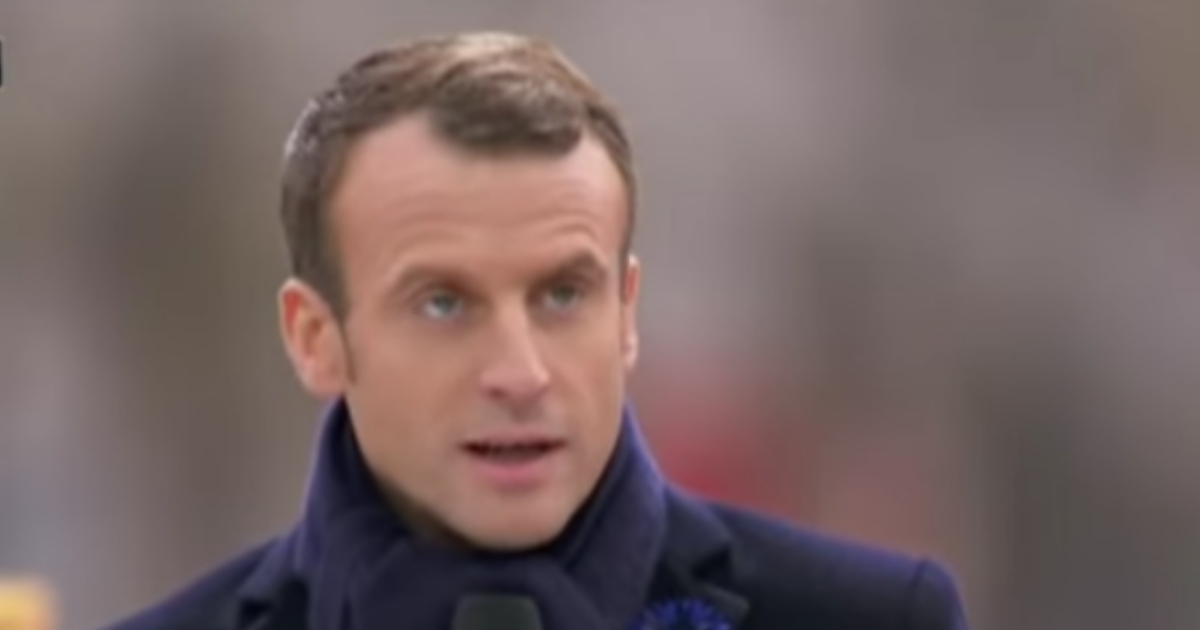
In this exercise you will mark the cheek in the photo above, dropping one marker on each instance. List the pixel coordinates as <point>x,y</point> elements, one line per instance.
<point>416,388</point>
<point>406,382</point>
<point>401,357</point>
<point>591,356</point>
<point>597,378</point>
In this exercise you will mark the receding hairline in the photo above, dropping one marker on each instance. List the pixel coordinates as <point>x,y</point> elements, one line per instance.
<point>421,124</point>
<point>419,127</point>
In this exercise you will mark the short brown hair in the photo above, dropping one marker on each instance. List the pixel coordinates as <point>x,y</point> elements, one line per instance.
<point>494,93</point>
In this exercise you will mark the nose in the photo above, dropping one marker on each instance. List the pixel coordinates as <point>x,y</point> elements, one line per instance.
<point>516,373</point>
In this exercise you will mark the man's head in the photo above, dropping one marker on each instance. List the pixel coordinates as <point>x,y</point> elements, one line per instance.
<point>458,213</point>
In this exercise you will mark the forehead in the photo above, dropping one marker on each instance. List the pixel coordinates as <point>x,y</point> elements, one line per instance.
<point>403,186</point>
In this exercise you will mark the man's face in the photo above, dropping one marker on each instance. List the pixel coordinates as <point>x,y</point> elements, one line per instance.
<point>489,330</point>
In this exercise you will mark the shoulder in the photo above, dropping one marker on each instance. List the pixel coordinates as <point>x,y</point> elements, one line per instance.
<point>790,572</point>
<point>205,602</point>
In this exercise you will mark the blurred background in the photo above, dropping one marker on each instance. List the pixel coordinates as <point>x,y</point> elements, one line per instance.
<point>921,273</point>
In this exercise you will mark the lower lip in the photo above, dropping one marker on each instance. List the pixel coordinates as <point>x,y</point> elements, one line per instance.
<point>516,475</point>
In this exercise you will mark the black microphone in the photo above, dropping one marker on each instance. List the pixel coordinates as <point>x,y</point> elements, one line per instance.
<point>496,612</point>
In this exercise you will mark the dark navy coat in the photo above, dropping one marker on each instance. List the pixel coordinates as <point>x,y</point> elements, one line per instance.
<point>770,575</point>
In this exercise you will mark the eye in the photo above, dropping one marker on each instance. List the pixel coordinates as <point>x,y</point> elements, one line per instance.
<point>562,296</point>
<point>442,305</point>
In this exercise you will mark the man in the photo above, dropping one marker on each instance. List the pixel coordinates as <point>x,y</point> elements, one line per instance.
<point>459,212</point>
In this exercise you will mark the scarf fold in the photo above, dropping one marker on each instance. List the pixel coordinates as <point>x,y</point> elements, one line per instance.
<point>366,571</point>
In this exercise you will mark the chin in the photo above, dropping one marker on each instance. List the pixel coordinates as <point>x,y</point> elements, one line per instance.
<point>526,531</point>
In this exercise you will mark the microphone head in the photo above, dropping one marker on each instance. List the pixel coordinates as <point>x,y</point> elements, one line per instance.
<point>496,612</point>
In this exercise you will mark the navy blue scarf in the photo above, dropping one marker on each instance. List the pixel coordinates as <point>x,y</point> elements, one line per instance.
<point>366,571</point>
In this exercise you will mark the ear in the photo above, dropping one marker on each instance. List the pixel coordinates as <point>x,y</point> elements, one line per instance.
<point>630,287</point>
<point>313,339</point>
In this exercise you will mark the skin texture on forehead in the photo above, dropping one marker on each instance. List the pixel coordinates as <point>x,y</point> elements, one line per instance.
<point>423,212</point>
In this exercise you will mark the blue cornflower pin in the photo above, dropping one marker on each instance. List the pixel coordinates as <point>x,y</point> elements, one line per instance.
<point>683,614</point>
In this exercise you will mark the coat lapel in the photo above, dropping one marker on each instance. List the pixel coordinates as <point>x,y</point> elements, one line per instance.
<point>273,597</point>
<point>697,560</point>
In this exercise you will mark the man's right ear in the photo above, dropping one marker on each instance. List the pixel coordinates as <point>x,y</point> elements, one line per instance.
<point>312,339</point>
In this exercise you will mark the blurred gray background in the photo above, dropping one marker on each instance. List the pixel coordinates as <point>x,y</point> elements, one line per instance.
<point>922,273</point>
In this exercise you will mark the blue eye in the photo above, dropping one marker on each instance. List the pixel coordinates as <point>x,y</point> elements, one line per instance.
<point>442,305</point>
<point>561,297</point>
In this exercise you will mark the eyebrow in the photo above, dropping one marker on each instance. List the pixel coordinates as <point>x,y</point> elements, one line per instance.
<point>584,262</point>
<point>420,274</point>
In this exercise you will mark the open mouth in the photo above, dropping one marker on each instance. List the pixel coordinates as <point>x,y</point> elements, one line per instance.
<point>512,452</point>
